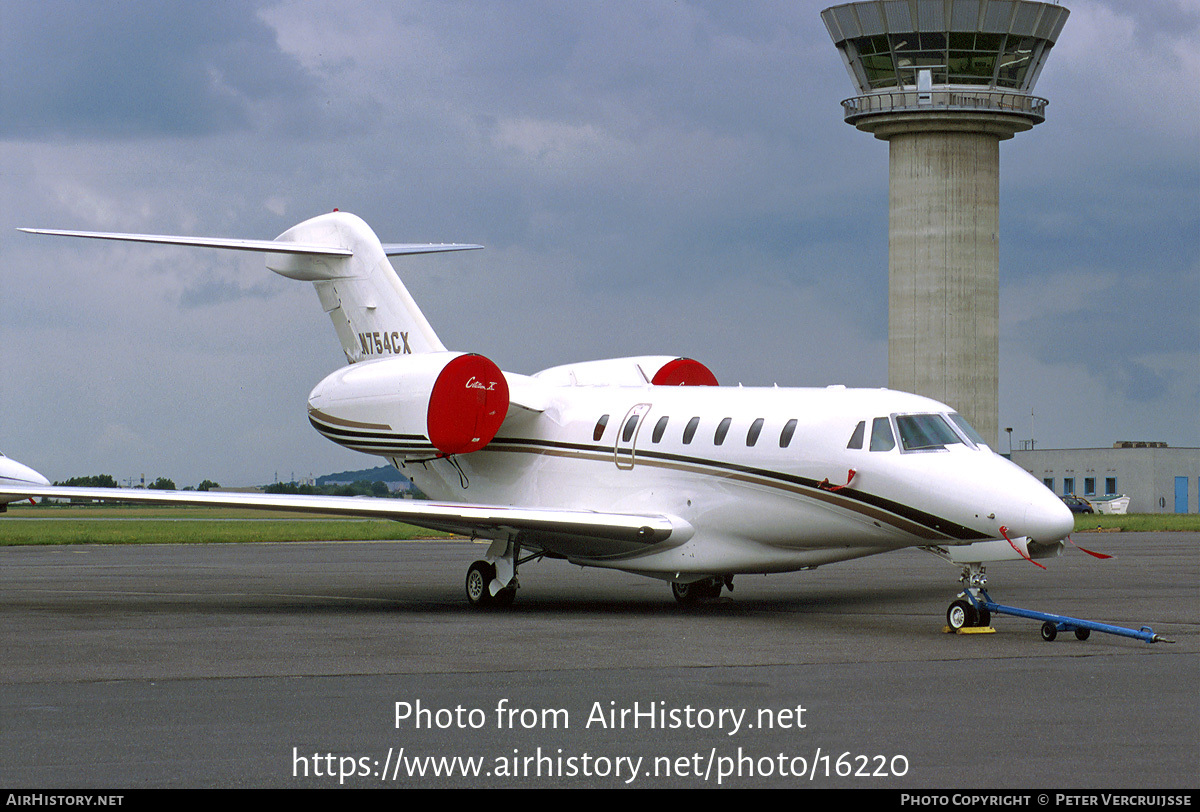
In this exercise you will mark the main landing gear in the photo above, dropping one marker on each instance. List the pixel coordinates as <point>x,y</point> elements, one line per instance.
<point>479,581</point>
<point>697,592</point>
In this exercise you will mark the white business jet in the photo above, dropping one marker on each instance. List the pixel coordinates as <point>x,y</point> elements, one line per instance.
<point>14,473</point>
<point>639,464</point>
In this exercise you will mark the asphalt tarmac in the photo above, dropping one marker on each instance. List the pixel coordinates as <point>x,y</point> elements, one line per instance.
<point>361,665</point>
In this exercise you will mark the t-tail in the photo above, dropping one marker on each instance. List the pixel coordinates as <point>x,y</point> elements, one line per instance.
<point>373,313</point>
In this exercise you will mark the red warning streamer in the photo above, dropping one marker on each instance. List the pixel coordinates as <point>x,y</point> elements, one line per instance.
<point>1004,532</point>
<point>1089,552</point>
<point>825,484</point>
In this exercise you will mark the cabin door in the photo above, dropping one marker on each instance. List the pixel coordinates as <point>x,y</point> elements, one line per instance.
<point>627,433</point>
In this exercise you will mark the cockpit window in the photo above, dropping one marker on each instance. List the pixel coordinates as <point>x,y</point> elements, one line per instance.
<point>924,432</point>
<point>881,435</point>
<point>967,429</point>
<point>856,439</point>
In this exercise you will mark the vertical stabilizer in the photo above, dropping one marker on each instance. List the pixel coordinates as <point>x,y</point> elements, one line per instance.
<point>373,313</point>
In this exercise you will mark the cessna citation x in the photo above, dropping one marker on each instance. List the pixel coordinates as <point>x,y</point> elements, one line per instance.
<point>640,464</point>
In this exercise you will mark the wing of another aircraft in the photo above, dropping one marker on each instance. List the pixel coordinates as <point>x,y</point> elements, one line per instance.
<point>556,529</point>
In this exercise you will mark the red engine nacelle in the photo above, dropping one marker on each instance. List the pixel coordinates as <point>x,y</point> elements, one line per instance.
<point>467,404</point>
<point>399,406</point>
<point>684,372</point>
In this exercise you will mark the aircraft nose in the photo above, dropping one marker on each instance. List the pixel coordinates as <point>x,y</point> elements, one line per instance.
<point>1047,519</point>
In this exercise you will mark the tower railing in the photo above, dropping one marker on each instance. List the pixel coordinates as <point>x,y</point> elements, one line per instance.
<point>948,99</point>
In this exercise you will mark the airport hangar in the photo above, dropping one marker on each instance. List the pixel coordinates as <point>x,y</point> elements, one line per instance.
<point>1155,477</point>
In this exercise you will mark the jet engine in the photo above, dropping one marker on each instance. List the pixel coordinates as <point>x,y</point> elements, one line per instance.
<point>427,404</point>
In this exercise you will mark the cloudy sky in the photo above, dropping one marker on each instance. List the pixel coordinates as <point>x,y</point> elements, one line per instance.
<point>648,177</point>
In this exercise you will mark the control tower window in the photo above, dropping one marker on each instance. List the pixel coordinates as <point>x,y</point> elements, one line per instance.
<point>955,58</point>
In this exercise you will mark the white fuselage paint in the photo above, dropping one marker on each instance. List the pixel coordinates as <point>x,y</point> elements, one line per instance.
<point>14,472</point>
<point>755,507</point>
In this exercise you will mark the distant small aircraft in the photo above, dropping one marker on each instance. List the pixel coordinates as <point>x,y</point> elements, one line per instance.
<point>13,472</point>
<point>640,464</point>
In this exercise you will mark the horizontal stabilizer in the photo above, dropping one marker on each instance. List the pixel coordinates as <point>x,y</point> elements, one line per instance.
<point>397,249</point>
<point>262,246</point>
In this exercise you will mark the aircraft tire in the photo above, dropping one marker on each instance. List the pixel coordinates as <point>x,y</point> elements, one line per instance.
<point>1049,631</point>
<point>960,615</point>
<point>696,592</point>
<point>688,594</point>
<point>479,576</point>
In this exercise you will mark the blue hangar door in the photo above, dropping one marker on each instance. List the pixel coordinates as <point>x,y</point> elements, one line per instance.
<point>1181,500</point>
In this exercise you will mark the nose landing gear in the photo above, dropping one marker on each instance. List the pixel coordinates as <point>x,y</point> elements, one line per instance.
<point>973,609</point>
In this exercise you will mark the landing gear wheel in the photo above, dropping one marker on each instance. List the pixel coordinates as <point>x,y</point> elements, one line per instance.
<point>1083,634</point>
<point>688,594</point>
<point>712,588</point>
<point>696,592</point>
<point>1049,631</point>
<point>479,577</point>
<point>960,615</point>
<point>985,618</point>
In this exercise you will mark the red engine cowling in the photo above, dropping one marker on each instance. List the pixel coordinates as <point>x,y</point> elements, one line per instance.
<point>414,405</point>
<point>684,372</point>
<point>467,404</point>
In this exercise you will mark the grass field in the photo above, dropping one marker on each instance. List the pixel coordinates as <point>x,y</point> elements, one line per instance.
<point>82,524</point>
<point>1137,522</point>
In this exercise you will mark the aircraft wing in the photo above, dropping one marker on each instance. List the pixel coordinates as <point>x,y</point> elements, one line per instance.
<point>568,531</point>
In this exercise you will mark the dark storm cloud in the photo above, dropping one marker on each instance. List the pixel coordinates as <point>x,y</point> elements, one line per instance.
<point>99,70</point>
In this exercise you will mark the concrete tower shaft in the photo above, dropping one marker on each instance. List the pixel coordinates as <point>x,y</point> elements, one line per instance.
<point>943,255</point>
<point>943,82</point>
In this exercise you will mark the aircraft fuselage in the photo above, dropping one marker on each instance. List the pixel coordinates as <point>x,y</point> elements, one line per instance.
<point>761,475</point>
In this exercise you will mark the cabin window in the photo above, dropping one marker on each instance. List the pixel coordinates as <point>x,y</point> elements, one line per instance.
<point>856,439</point>
<point>755,430</point>
<point>722,430</point>
<point>925,432</point>
<point>785,436</point>
<point>599,432</point>
<point>689,431</point>
<point>630,425</point>
<point>881,435</point>
<point>659,428</point>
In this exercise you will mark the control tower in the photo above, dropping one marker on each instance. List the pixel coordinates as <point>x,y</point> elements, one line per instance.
<point>944,82</point>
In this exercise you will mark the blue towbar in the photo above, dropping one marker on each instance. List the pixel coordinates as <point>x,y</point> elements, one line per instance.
<point>1053,624</point>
